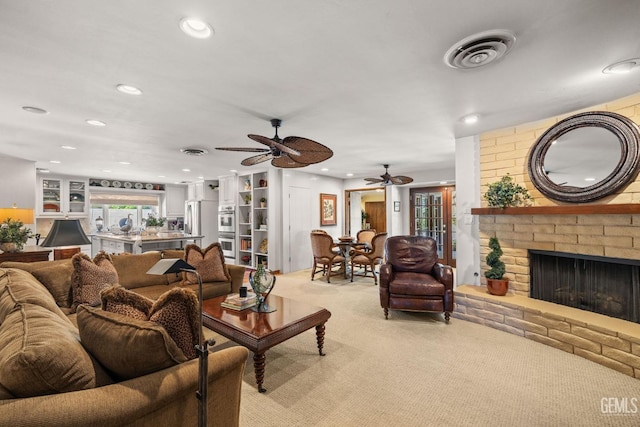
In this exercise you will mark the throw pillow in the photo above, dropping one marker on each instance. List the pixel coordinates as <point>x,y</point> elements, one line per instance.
<point>57,279</point>
<point>127,347</point>
<point>117,299</point>
<point>177,311</point>
<point>90,277</point>
<point>208,263</point>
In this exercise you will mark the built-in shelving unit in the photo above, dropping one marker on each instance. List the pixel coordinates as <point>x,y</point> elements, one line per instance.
<point>253,219</point>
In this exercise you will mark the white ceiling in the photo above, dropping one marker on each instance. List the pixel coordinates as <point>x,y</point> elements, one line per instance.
<point>364,77</point>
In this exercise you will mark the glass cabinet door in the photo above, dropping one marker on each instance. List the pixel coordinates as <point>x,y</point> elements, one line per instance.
<point>51,196</point>
<point>77,194</point>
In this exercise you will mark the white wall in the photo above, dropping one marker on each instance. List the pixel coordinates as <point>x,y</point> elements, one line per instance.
<point>467,197</point>
<point>18,183</point>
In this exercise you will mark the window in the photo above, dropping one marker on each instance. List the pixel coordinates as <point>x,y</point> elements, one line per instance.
<point>116,207</point>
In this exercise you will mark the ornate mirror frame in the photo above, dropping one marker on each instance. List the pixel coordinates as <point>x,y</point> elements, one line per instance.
<point>625,171</point>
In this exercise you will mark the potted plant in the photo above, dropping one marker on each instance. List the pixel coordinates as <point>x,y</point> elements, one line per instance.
<point>263,202</point>
<point>13,235</point>
<point>153,224</point>
<point>506,193</point>
<point>497,284</point>
<point>247,199</point>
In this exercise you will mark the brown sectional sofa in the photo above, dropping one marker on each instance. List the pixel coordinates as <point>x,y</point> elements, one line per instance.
<point>32,310</point>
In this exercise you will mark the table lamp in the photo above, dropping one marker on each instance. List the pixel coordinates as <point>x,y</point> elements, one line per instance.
<point>17,214</point>
<point>176,265</point>
<point>65,232</point>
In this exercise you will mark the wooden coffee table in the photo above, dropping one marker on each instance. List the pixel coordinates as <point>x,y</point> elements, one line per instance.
<point>261,331</point>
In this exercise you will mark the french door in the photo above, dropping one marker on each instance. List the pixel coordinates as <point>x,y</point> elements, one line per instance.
<point>433,214</point>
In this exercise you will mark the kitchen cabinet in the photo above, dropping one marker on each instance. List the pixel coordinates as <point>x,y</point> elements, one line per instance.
<point>203,190</point>
<point>227,190</point>
<point>175,196</point>
<point>59,197</point>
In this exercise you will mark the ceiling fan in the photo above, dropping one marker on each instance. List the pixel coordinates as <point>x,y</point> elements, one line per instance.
<point>290,152</point>
<point>387,179</point>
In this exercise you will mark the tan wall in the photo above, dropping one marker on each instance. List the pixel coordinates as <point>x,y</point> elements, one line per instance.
<point>506,151</point>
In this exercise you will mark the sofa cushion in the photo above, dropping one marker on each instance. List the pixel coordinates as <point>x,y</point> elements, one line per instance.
<point>127,347</point>
<point>90,277</point>
<point>18,287</point>
<point>40,353</point>
<point>117,299</point>
<point>177,311</point>
<point>132,269</point>
<point>208,263</point>
<point>55,275</point>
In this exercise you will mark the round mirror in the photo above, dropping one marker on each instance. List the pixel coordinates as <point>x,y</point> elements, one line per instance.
<point>585,157</point>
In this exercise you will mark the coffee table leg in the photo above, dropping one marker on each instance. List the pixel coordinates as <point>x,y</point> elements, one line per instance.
<point>320,338</point>
<point>258,365</point>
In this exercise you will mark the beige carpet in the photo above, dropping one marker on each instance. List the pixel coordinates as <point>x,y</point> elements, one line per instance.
<point>414,370</point>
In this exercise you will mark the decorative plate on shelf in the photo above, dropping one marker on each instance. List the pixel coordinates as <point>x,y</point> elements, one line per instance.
<point>149,186</point>
<point>139,185</point>
<point>76,197</point>
<point>116,184</point>
<point>105,183</point>
<point>128,185</point>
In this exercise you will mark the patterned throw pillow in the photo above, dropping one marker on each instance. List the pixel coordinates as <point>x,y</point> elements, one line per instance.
<point>208,263</point>
<point>117,299</point>
<point>90,277</point>
<point>177,311</point>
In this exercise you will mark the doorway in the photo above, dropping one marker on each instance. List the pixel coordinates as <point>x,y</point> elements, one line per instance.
<point>433,214</point>
<point>365,208</point>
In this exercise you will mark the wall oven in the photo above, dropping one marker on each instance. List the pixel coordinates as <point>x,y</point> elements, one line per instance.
<point>226,219</point>
<point>228,245</point>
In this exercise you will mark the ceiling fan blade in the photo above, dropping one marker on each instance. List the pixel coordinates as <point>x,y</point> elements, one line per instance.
<point>250,150</point>
<point>374,180</point>
<point>400,179</point>
<point>262,139</point>
<point>285,161</point>
<point>254,160</point>
<point>310,151</point>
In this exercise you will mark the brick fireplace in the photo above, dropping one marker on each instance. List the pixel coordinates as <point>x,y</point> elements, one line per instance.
<point>609,227</point>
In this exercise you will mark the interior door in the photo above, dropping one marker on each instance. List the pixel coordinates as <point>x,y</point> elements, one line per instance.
<point>433,214</point>
<point>376,216</point>
<point>300,226</point>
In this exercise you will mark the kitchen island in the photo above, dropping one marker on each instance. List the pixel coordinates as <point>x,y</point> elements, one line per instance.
<point>137,244</point>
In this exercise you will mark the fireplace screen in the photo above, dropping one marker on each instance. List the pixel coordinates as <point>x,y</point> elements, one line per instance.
<point>609,286</point>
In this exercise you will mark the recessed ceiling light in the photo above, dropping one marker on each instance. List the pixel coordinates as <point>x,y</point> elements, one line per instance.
<point>35,110</point>
<point>470,119</point>
<point>43,170</point>
<point>186,170</point>
<point>67,147</point>
<point>93,122</point>
<point>324,169</point>
<point>201,177</point>
<point>622,67</point>
<point>106,170</point>
<point>233,170</point>
<point>54,161</point>
<point>128,89</point>
<point>443,182</point>
<point>349,174</point>
<point>589,179</point>
<point>196,28</point>
<point>161,176</point>
<point>125,163</point>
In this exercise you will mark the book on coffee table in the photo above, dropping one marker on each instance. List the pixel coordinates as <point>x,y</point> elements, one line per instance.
<point>236,302</point>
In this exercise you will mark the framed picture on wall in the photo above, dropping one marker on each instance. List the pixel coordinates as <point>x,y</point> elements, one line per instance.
<point>328,209</point>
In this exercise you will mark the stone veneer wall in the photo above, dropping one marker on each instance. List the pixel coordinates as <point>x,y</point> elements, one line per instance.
<point>506,151</point>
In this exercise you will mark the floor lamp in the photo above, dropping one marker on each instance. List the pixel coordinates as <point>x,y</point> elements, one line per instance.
<point>65,232</point>
<point>177,265</point>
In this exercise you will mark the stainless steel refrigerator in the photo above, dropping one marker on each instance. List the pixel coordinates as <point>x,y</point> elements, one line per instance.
<point>201,218</point>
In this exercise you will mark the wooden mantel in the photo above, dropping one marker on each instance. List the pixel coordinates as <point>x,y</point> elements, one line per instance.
<point>627,208</point>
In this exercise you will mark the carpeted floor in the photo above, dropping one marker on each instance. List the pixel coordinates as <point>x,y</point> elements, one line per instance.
<point>414,370</point>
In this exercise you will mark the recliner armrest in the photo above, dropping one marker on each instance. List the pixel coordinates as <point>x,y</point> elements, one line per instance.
<point>443,274</point>
<point>386,275</point>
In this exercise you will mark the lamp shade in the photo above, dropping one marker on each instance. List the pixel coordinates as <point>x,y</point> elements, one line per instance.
<point>170,265</point>
<point>16,214</point>
<point>66,232</point>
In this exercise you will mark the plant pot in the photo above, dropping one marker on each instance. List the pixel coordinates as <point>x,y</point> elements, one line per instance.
<point>9,247</point>
<point>498,286</point>
<point>152,230</point>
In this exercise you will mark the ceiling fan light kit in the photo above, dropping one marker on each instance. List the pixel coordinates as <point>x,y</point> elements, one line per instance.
<point>386,179</point>
<point>290,152</point>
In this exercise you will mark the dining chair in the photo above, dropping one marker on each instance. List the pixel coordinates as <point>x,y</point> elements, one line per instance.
<point>324,258</point>
<point>363,239</point>
<point>369,259</point>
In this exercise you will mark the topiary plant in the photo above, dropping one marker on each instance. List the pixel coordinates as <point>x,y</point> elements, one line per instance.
<point>506,193</point>
<point>497,268</point>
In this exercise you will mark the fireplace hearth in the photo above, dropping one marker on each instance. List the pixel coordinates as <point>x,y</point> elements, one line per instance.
<point>609,286</point>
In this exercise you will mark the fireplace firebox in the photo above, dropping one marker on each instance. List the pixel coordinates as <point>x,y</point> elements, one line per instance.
<point>609,286</point>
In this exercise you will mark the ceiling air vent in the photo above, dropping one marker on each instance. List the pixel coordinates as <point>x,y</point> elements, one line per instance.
<point>194,151</point>
<point>480,49</point>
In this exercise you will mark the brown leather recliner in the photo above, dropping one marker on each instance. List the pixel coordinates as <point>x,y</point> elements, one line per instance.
<point>412,279</point>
